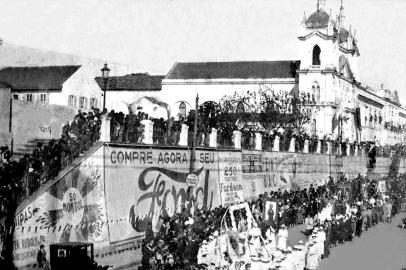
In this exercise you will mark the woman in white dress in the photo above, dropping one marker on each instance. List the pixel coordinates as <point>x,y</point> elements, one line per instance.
<point>271,237</point>
<point>283,237</point>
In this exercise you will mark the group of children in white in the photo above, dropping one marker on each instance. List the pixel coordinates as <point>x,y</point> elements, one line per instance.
<point>236,249</point>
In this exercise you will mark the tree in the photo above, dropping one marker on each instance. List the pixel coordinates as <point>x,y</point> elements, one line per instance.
<point>271,110</point>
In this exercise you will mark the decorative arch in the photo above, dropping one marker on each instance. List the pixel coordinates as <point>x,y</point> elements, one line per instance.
<point>241,107</point>
<point>182,109</point>
<point>316,55</point>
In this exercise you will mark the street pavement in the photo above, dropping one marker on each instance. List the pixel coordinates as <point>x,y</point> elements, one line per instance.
<point>380,248</point>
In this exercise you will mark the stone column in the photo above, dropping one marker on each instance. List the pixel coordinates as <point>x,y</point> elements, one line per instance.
<point>258,141</point>
<point>306,146</point>
<point>213,138</point>
<point>276,144</point>
<point>329,148</point>
<point>237,139</point>
<point>148,131</point>
<point>318,150</point>
<point>184,133</point>
<point>105,129</point>
<point>292,145</point>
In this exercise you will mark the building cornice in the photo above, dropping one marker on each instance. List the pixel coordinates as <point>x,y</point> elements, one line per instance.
<point>227,81</point>
<point>347,51</point>
<point>317,33</point>
<point>316,70</point>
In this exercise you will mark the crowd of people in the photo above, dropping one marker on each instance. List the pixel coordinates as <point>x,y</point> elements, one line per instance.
<point>129,129</point>
<point>26,174</point>
<point>339,210</point>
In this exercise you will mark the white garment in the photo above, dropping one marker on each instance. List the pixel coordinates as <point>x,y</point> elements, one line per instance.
<point>312,260</point>
<point>203,254</point>
<point>321,237</point>
<point>283,239</point>
<point>309,223</point>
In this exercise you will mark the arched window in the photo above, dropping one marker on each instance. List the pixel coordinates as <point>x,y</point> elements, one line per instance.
<point>182,109</point>
<point>240,107</point>
<point>313,127</point>
<point>316,92</point>
<point>316,55</point>
<point>313,94</point>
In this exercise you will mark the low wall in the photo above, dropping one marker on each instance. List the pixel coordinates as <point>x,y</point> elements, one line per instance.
<point>36,121</point>
<point>109,197</point>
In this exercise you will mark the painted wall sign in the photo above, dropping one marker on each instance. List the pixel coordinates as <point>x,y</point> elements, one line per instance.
<point>231,186</point>
<point>154,181</point>
<point>72,209</point>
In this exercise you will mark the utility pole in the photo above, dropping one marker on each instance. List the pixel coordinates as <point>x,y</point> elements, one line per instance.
<point>193,152</point>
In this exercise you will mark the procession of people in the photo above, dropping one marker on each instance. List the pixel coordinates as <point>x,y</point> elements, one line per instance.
<point>211,239</point>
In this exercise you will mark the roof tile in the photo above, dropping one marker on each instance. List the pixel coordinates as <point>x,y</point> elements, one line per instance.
<point>234,70</point>
<point>132,82</point>
<point>37,78</point>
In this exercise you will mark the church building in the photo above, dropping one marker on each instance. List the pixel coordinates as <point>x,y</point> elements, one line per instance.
<point>327,70</point>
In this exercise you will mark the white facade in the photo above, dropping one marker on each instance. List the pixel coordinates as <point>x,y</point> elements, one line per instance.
<point>120,100</point>
<point>83,85</point>
<point>151,106</point>
<point>176,91</point>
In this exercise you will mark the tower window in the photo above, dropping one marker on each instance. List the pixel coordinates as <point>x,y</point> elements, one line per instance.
<point>316,55</point>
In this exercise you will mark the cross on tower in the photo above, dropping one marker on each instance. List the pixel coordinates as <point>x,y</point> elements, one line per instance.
<point>341,16</point>
<point>321,5</point>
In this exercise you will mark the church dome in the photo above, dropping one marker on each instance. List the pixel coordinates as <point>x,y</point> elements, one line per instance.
<point>318,19</point>
<point>343,35</point>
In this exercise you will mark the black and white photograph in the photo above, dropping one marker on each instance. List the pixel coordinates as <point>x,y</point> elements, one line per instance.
<point>202,134</point>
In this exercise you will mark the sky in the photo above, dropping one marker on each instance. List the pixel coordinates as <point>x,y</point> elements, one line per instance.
<point>152,35</point>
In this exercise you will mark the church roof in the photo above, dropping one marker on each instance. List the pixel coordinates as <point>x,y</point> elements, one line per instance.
<point>37,78</point>
<point>234,70</point>
<point>318,19</point>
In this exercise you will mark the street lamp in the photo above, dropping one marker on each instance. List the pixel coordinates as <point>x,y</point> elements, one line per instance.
<point>105,76</point>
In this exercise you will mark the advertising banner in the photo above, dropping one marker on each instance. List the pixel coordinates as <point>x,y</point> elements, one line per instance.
<point>71,210</point>
<point>352,166</point>
<point>293,170</point>
<point>231,186</point>
<point>252,174</point>
<point>382,186</point>
<point>142,182</point>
